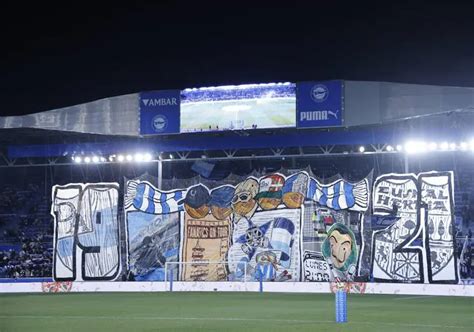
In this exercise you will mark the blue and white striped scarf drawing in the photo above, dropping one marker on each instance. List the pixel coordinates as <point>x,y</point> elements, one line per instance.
<point>143,196</point>
<point>338,195</point>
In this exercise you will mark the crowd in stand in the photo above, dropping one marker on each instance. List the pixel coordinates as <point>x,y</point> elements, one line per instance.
<point>12,200</point>
<point>465,242</point>
<point>9,200</point>
<point>25,234</point>
<point>252,92</point>
<point>33,260</point>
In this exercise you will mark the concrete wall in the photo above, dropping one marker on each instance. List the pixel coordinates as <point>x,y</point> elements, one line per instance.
<point>287,287</point>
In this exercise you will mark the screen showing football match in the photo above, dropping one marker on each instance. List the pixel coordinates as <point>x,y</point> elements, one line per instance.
<point>241,107</point>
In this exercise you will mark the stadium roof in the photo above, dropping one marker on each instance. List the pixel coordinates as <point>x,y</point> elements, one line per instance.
<point>375,113</point>
<point>366,103</point>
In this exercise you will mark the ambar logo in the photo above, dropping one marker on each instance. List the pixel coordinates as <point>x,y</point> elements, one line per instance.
<point>160,102</point>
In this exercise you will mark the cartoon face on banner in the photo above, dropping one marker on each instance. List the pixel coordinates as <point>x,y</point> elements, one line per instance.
<point>340,249</point>
<point>266,257</point>
<point>295,189</point>
<point>270,191</point>
<point>220,202</point>
<point>196,201</point>
<point>243,202</point>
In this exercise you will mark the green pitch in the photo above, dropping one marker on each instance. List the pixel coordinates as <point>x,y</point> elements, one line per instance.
<point>230,312</point>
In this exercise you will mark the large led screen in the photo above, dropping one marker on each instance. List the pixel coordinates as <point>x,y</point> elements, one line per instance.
<point>241,107</point>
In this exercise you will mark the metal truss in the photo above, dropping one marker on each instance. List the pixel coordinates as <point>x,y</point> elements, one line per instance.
<point>317,151</point>
<point>32,162</point>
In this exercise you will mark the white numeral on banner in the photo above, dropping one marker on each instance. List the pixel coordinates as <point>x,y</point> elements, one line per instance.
<point>417,244</point>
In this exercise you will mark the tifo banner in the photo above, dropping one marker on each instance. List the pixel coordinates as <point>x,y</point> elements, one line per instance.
<point>272,228</point>
<point>153,240</point>
<point>87,232</point>
<point>419,239</point>
<point>153,236</point>
<point>267,243</point>
<point>159,112</point>
<point>206,241</point>
<point>315,267</point>
<point>254,226</point>
<point>319,104</point>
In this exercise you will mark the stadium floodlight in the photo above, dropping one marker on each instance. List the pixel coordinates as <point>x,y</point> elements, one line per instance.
<point>410,147</point>
<point>87,160</point>
<point>103,160</point>
<point>444,146</point>
<point>111,157</point>
<point>129,157</point>
<point>415,147</point>
<point>452,146</point>
<point>463,146</point>
<point>361,149</point>
<point>432,146</point>
<point>399,147</point>
<point>77,159</point>
<point>421,146</point>
<point>472,144</point>
<point>120,158</point>
<point>147,157</point>
<point>95,159</point>
<point>138,157</point>
<point>171,156</point>
<point>389,148</point>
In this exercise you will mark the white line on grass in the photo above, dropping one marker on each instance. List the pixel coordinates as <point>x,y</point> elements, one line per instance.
<point>301,321</point>
<point>415,297</point>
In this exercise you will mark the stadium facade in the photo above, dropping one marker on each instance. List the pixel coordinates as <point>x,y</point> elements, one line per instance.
<point>370,183</point>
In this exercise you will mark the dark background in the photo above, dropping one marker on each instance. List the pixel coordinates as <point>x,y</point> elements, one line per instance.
<point>61,55</point>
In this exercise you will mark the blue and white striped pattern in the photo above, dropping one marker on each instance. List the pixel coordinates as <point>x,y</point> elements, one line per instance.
<point>265,271</point>
<point>282,240</point>
<point>341,306</point>
<point>143,196</point>
<point>340,195</point>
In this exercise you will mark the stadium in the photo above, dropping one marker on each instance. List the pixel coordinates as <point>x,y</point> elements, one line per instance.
<point>271,206</point>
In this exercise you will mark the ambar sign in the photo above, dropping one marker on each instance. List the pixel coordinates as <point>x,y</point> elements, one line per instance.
<point>160,101</point>
<point>160,112</point>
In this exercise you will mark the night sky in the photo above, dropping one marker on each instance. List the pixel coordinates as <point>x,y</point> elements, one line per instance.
<point>61,56</point>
